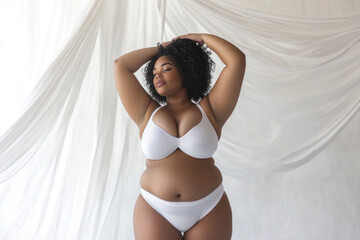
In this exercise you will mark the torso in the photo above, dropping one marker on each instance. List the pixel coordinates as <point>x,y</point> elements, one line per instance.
<point>180,177</point>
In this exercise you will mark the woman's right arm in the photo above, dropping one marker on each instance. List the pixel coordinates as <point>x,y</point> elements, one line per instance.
<point>133,96</point>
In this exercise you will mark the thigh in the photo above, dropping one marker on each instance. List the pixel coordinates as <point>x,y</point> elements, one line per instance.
<point>216,225</point>
<point>150,225</point>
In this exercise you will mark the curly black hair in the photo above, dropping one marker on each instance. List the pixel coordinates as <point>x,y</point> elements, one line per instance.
<point>193,63</point>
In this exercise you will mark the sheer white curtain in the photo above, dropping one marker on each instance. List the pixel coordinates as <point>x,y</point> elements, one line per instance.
<point>70,160</point>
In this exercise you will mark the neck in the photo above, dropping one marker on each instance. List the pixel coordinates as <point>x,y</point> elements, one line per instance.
<point>178,103</point>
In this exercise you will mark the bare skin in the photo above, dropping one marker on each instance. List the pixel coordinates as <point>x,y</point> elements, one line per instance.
<point>180,177</point>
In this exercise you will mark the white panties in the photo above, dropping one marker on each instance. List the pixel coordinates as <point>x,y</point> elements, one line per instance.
<point>184,215</point>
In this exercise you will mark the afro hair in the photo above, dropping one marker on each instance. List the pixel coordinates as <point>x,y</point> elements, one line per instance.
<point>193,63</point>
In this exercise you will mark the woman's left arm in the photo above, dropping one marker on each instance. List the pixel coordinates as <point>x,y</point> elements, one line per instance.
<point>225,93</point>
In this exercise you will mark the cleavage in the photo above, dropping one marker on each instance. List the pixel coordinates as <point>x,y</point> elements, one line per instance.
<point>177,126</point>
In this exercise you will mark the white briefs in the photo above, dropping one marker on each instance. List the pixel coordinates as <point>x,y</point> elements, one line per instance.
<point>184,215</point>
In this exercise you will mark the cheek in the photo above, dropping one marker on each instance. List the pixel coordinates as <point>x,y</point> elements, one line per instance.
<point>179,80</point>
<point>177,77</point>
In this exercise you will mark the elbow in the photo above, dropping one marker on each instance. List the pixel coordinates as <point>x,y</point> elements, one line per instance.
<point>117,61</point>
<point>237,58</point>
<point>238,61</point>
<point>120,64</point>
<point>242,57</point>
<point>243,64</point>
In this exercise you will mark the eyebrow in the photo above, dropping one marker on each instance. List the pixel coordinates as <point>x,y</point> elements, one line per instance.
<point>163,65</point>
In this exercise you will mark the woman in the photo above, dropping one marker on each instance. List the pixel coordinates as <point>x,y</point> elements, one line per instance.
<point>182,196</point>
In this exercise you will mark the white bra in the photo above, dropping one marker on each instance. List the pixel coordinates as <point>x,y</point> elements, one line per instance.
<point>201,141</point>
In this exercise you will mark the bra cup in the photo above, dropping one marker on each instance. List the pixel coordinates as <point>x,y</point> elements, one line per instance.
<point>199,142</point>
<point>157,147</point>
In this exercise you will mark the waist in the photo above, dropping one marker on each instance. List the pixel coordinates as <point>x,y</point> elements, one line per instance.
<point>219,191</point>
<point>181,178</point>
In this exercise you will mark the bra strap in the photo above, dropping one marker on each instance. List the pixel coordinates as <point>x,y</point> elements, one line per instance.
<point>201,110</point>
<point>157,109</point>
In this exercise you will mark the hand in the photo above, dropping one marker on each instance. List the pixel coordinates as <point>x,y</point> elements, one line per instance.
<point>193,36</point>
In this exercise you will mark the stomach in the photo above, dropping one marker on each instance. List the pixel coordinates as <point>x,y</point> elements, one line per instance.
<point>180,177</point>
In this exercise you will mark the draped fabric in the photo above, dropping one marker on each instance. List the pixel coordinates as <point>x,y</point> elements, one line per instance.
<point>70,157</point>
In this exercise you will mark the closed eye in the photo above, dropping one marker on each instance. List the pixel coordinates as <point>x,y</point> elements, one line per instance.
<point>165,70</point>
<point>164,64</point>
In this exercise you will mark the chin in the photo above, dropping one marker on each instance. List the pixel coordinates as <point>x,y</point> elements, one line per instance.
<point>161,93</point>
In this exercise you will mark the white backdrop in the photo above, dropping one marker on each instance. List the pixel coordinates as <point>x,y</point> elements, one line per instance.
<point>70,158</point>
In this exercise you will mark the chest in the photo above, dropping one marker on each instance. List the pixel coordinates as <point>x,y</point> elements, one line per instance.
<point>179,123</point>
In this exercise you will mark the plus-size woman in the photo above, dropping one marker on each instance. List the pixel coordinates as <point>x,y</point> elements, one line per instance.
<point>180,121</point>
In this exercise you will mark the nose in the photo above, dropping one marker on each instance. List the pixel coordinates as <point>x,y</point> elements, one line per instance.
<point>159,75</point>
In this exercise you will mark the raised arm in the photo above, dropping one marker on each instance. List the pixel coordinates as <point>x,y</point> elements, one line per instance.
<point>225,93</point>
<point>133,96</point>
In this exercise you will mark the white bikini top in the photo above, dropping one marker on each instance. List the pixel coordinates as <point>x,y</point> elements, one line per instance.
<point>200,141</point>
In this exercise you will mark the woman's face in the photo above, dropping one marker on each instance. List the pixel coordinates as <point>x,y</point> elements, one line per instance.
<point>167,79</point>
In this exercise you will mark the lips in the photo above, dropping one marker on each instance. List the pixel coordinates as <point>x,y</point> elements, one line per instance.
<point>159,83</point>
